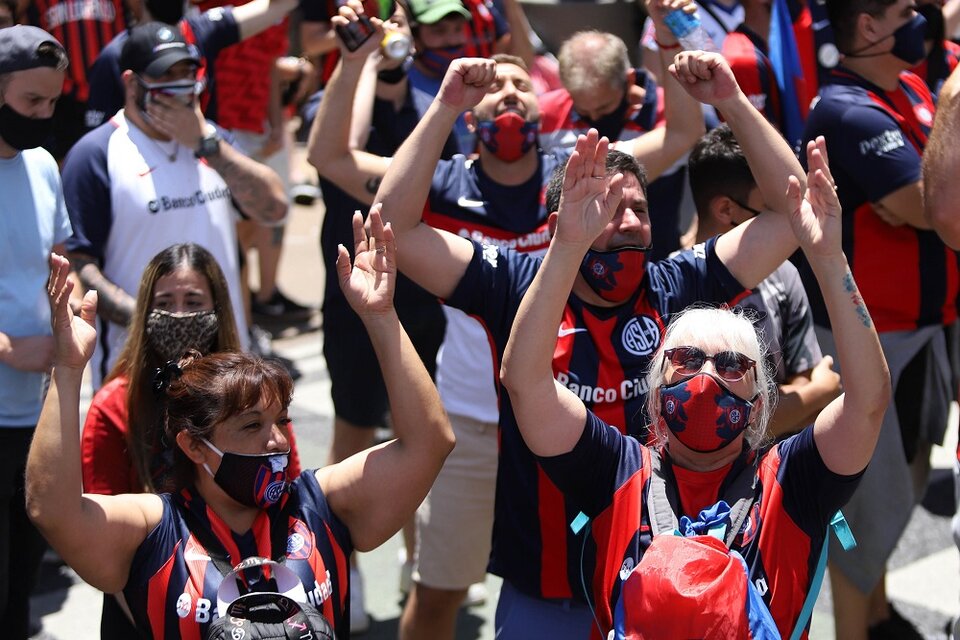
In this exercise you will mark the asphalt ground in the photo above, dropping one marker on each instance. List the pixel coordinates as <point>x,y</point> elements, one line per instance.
<point>924,582</point>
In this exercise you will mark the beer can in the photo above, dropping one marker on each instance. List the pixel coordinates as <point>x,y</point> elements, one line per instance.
<point>396,45</point>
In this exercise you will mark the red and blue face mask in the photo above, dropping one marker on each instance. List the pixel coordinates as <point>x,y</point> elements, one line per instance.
<point>253,479</point>
<point>615,275</point>
<point>508,136</point>
<point>702,414</point>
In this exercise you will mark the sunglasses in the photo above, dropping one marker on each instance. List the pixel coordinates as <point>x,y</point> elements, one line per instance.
<point>746,207</point>
<point>730,365</point>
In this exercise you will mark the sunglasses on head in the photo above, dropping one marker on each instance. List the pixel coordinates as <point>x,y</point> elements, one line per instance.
<point>732,366</point>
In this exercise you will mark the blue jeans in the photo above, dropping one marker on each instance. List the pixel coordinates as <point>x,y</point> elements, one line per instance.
<point>521,617</point>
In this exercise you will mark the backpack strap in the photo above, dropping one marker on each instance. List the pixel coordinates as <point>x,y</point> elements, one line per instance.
<point>663,501</point>
<point>215,549</point>
<point>838,524</point>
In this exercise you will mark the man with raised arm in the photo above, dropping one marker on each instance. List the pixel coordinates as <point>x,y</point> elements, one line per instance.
<point>496,198</point>
<point>611,324</point>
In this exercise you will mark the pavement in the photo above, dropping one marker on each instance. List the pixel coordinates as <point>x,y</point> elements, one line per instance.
<point>924,581</point>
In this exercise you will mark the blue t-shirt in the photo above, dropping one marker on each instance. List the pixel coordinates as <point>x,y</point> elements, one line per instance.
<point>601,355</point>
<point>211,31</point>
<point>33,218</point>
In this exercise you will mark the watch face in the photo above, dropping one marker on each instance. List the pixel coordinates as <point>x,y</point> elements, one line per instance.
<point>209,146</point>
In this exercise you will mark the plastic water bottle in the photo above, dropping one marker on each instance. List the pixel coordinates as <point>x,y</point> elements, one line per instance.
<point>689,31</point>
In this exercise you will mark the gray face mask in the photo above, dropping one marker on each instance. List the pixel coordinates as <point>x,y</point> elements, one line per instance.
<point>171,334</point>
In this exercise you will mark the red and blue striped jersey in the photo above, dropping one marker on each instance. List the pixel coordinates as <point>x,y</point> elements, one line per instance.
<point>84,28</point>
<point>938,65</point>
<point>601,355</point>
<point>172,589</point>
<point>907,276</point>
<point>606,477</point>
<point>746,52</point>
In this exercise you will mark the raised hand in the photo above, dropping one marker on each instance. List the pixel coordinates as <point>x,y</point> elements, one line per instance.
<point>369,284</point>
<point>75,337</point>
<point>705,76</point>
<point>589,197</point>
<point>815,216</point>
<point>466,82</point>
<point>350,13</point>
<point>658,10</point>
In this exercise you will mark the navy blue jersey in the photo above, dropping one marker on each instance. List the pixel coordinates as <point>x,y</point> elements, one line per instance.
<point>211,31</point>
<point>389,128</point>
<point>606,477</point>
<point>172,589</point>
<point>907,276</point>
<point>601,355</point>
<point>747,54</point>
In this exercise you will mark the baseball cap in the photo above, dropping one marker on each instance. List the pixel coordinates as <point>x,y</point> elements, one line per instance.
<point>19,47</point>
<point>433,11</point>
<point>154,47</point>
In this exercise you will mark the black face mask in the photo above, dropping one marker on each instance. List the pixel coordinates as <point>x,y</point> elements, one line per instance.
<point>611,124</point>
<point>168,11</point>
<point>21,132</point>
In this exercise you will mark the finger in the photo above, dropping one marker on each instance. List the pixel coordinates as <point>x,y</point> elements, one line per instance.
<point>600,158</point>
<point>348,12</point>
<point>571,174</point>
<point>390,246</point>
<point>376,226</point>
<point>822,145</point>
<point>88,308</point>
<point>343,266</point>
<point>359,235</point>
<point>614,193</point>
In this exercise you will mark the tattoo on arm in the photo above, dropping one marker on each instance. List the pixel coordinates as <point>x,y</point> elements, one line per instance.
<point>249,185</point>
<point>113,303</point>
<point>850,286</point>
<point>373,184</point>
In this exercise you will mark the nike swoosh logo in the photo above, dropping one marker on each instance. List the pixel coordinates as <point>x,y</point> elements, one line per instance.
<point>566,332</point>
<point>467,203</point>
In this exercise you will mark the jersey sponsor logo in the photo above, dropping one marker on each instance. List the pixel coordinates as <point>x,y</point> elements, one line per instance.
<point>761,585</point>
<point>527,242</point>
<point>320,592</point>
<point>923,115</point>
<point>628,389</point>
<point>886,142</point>
<point>184,604</point>
<point>641,336</point>
<point>468,203</point>
<point>566,331</point>
<point>196,199</point>
<point>490,253</point>
<point>77,10</point>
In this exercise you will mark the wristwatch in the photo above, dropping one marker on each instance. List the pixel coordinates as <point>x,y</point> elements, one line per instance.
<point>209,145</point>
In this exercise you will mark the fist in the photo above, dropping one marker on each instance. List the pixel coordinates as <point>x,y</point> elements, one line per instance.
<point>466,82</point>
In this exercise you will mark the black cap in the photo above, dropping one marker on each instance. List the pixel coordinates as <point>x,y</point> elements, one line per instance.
<point>152,48</point>
<point>19,47</point>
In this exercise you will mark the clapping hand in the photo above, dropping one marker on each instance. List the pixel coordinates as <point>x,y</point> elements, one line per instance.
<point>74,337</point>
<point>815,216</point>
<point>589,197</point>
<point>369,284</point>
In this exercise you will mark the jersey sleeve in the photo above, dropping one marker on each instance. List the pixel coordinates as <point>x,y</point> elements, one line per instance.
<point>492,287</point>
<point>106,87</point>
<point>801,350</point>
<point>694,275</point>
<point>811,492</point>
<point>500,25</point>
<point>103,446</point>
<point>874,152</point>
<point>86,190</point>
<point>602,460</point>
<point>215,30</point>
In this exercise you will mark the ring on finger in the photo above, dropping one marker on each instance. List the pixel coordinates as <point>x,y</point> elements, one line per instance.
<point>381,249</point>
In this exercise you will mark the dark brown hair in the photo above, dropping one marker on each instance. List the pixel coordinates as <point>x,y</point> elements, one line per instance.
<point>210,389</point>
<point>138,361</point>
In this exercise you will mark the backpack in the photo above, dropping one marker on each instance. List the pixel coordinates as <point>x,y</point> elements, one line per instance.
<point>689,582</point>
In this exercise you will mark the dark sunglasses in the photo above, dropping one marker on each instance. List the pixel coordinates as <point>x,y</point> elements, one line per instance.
<point>753,212</point>
<point>730,365</point>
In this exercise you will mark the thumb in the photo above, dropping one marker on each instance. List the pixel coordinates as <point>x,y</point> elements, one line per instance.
<point>88,308</point>
<point>343,265</point>
<point>827,361</point>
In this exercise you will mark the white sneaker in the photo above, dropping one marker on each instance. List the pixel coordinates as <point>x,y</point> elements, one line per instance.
<point>359,618</point>
<point>476,595</point>
<point>406,572</point>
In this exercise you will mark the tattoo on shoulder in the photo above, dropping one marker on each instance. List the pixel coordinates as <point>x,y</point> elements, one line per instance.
<point>850,286</point>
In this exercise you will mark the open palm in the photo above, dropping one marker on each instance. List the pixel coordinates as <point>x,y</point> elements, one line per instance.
<point>74,336</point>
<point>369,284</point>
<point>589,198</point>
<point>816,216</point>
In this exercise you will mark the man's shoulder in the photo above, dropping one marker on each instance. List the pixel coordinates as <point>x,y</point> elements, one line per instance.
<point>93,145</point>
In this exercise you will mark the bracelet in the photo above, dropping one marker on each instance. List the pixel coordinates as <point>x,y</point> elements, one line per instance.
<point>666,47</point>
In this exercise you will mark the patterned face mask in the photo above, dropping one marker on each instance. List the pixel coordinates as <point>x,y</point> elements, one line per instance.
<point>254,479</point>
<point>171,334</point>
<point>703,414</point>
